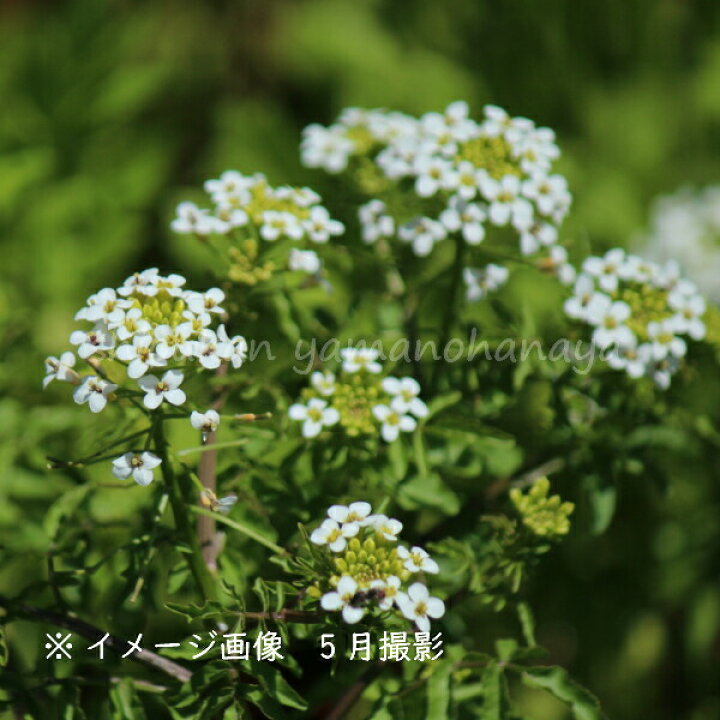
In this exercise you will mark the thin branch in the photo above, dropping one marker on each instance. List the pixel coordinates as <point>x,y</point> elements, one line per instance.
<point>285,615</point>
<point>343,706</point>
<point>210,449</point>
<point>90,632</point>
<point>241,528</point>
<point>207,472</point>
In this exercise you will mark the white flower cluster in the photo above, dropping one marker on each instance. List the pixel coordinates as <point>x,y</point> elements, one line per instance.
<point>372,569</point>
<point>468,175</point>
<point>151,321</point>
<point>248,201</point>
<point>641,313</point>
<point>686,225</point>
<point>359,399</point>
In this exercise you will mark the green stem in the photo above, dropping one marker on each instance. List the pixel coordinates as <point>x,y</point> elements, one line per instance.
<point>213,446</point>
<point>180,491</point>
<point>451,308</point>
<point>257,537</point>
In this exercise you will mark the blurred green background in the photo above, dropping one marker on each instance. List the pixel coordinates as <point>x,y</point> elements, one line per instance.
<point>110,112</point>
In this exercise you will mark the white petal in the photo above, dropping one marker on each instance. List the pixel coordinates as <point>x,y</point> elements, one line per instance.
<point>390,432</point>
<point>347,586</point>
<point>435,607</point>
<point>176,396</point>
<point>311,428</point>
<point>150,460</point>
<point>148,382</point>
<point>338,513</point>
<point>352,615</point>
<point>418,592</point>
<point>173,378</point>
<point>297,412</point>
<point>152,400</point>
<point>331,601</point>
<point>142,476</point>
<point>97,402</point>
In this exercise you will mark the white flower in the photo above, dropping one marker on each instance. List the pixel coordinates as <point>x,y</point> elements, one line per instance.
<point>557,263</point>
<point>419,607</point>
<point>166,389</point>
<point>127,324</point>
<point>607,269</point>
<point>583,293</point>
<point>139,355</point>
<point>356,359</point>
<point>432,175</point>
<point>193,325</point>
<point>192,219</point>
<point>323,382</point>
<point>665,342</point>
<point>376,223</point>
<point>388,591</point>
<point>634,359</point>
<point>406,391</point>
<point>504,198</point>
<point>388,528</point>
<point>394,419</point>
<point>210,350</point>
<point>304,261</point>
<point>207,302</point>
<point>228,217</point>
<point>144,282</point>
<point>171,284</point>
<point>315,416</point>
<point>468,217</point>
<point>480,282</point>
<point>173,340</point>
<point>356,513</point>
<point>139,466</point>
<point>548,192</point>
<point>103,305</point>
<point>94,391</point>
<point>320,226</point>
<point>609,318</point>
<point>464,180</point>
<point>96,340</point>
<point>326,148</point>
<point>238,346</point>
<point>536,235</point>
<point>334,535</point>
<point>423,233</point>
<point>276,224</point>
<point>417,560</point>
<point>230,184</point>
<point>689,309</point>
<point>206,422</point>
<point>60,369</point>
<point>497,121</point>
<point>342,598</point>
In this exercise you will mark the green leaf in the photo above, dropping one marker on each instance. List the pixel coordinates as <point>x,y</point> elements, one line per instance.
<point>438,692</point>
<point>602,503</point>
<point>275,685</point>
<point>3,648</point>
<point>494,693</point>
<point>428,491</point>
<point>527,623</point>
<point>557,682</point>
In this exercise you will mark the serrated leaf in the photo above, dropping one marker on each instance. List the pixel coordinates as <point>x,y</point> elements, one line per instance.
<point>273,682</point>
<point>557,682</point>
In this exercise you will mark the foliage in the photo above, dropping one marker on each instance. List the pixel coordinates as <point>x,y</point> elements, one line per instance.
<point>114,114</point>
